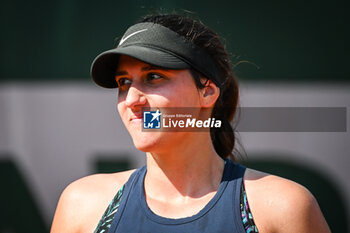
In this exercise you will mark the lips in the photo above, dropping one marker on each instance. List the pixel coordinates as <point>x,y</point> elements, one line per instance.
<point>136,117</point>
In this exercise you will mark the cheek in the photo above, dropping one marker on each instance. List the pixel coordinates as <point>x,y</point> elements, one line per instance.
<point>184,97</point>
<point>121,109</point>
<point>121,96</point>
<point>159,99</point>
<point>183,94</point>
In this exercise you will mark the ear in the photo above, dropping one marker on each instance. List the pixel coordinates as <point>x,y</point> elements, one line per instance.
<point>209,94</point>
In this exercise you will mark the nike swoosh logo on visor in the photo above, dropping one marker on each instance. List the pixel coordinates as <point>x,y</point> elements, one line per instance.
<point>127,37</point>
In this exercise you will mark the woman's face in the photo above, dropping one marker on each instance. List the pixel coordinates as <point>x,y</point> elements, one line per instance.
<point>142,85</point>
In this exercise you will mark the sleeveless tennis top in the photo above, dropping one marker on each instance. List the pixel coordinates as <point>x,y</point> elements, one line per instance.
<point>223,213</point>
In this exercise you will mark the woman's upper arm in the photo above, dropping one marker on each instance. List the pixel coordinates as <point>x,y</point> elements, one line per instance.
<point>84,201</point>
<point>67,213</point>
<point>282,206</point>
<point>302,213</point>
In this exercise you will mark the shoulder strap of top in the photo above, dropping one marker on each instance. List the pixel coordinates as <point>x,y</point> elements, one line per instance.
<point>108,216</point>
<point>128,186</point>
<point>246,214</point>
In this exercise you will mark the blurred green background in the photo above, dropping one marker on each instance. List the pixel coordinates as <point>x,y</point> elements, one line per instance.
<point>282,40</point>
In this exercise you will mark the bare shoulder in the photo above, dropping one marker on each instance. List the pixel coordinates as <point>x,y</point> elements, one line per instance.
<point>83,202</point>
<point>282,205</point>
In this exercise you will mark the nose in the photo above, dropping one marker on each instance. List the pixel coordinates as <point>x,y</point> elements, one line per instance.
<point>135,98</point>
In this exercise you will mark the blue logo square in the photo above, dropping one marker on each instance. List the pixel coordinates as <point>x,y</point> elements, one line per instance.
<point>152,119</point>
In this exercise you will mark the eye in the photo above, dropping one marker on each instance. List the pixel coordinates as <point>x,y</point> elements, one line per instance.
<point>153,77</point>
<point>123,82</point>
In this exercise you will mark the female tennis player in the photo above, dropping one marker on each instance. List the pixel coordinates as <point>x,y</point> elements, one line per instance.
<point>189,184</point>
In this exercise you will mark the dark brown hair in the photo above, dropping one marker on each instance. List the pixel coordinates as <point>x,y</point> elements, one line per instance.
<point>225,107</point>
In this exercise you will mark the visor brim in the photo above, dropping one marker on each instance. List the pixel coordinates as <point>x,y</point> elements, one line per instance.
<point>104,66</point>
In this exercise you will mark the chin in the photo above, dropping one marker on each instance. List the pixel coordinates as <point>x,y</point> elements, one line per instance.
<point>147,142</point>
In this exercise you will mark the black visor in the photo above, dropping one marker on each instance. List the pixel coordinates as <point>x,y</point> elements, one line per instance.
<point>156,45</point>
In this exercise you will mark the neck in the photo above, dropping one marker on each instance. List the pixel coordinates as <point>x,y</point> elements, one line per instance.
<point>185,170</point>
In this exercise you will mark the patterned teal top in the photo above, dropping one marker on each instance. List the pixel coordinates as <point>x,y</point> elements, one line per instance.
<point>107,218</point>
<point>247,217</point>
